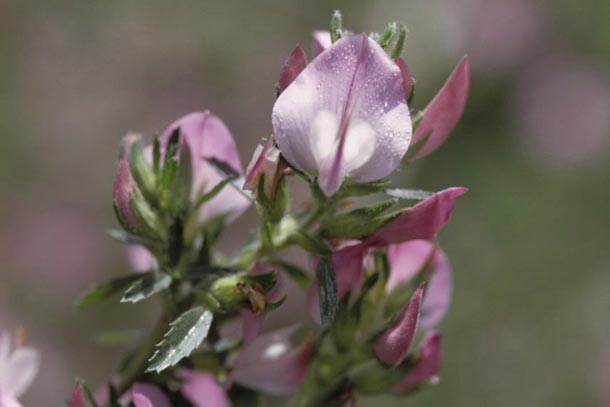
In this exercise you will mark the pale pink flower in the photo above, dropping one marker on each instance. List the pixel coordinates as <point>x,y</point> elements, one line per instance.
<point>148,395</point>
<point>202,389</point>
<point>345,115</point>
<point>18,368</point>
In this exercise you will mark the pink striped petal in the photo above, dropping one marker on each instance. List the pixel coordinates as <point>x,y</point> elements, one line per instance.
<point>320,41</point>
<point>443,112</point>
<point>295,63</point>
<point>345,115</point>
<point>202,389</point>
<point>427,365</point>
<point>393,345</point>
<point>272,364</point>
<point>208,137</point>
<point>421,221</point>
<point>148,395</point>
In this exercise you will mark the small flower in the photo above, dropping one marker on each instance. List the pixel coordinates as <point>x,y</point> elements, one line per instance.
<point>272,364</point>
<point>266,162</point>
<point>427,364</point>
<point>394,344</point>
<point>345,115</point>
<point>202,389</point>
<point>18,368</point>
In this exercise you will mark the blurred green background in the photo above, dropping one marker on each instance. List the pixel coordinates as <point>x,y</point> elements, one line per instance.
<point>529,242</point>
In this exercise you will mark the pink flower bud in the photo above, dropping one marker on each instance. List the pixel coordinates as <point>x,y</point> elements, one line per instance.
<point>345,115</point>
<point>202,389</point>
<point>77,399</point>
<point>295,63</point>
<point>124,186</point>
<point>265,161</point>
<point>443,112</point>
<point>427,365</point>
<point>148,395</point>
<point>272,364</point>
<point>421,221</point>
<point>393,345</point>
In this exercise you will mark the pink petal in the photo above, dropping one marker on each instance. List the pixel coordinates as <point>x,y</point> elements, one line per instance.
<point>148,395</point>
<point>320,41</point>
<point>443,112</point>
<point>349,270</point>
<point>407,78</point>
<point>438,292</point>
<point>427,364</point>
<point>421,221</point>
<point>140,259</point>
<point>208,137</point>
<point>78,397</point>
<point>272,364</point>
<point>202,389</point>
<point>251,324</point>
<point>357,82</point>
<point>407,260</point>
<point>393,345</point>
<point>295,63</point>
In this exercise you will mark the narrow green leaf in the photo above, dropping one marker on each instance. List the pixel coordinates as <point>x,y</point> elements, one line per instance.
<point>146,287</point>
<point>385,38</point>
<point>417,194</point>
<point>211,193</point>
<point>185,334</point>
<point>336,26</point>
<point>358,223</point>
<point>327,291</point>
<point>298,274</point>
<point>101,292</point>
<point>400,41</point>
<point>170,163</point>
<point>310,244</point>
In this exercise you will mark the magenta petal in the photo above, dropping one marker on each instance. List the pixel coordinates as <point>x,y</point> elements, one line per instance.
<point>438,292</point>
<point>345,115</point>
<point>421,221</point>
<point>393,345</point>
<point>407,79</point>
<point>427,365</point>
<point>406,260</point>
<point>295,63</point>
<point>78,397</point>
<point>202,389</point>
<point>443,112</point>
<point>208,137</point>
<point>320,41</point>
<point>272,364</point>
<point>148,395</point>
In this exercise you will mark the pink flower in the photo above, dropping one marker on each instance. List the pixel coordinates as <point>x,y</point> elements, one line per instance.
<point>18,368</point>
<point>345,115</point>
<point>427,365</point>
<point>410,258</point>
<point>444,110</point>
<point>272,364</point>
<point>320,41</point>
<point>148,395</point>
<point>393,345</point>
<point>208,137</point>
<point>202,389</point>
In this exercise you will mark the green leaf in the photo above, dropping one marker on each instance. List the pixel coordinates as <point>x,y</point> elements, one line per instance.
<point>298,274</point>
<point>358,223</point>
<point>400,41</point>
<point>310,244</point>
<point>185,334</point>
<point>146,287</point>
<point>417,194</point>
<point>336,26</point>
<point>101,292</point>
<point>327,290</point>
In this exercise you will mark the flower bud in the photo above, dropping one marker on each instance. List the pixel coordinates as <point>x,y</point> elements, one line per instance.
<point>393,345</point>
<point>266,163</point>
<point>123,188</point>
<point>426,366</point>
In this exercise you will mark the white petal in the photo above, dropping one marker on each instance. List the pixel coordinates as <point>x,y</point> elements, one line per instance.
<point>323,137</point>
<point>8,401</point>
<point>359,145</point>
<point>23,367</point>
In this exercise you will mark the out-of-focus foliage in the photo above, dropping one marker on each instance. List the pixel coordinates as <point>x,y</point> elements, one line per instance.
<point>528,245</point>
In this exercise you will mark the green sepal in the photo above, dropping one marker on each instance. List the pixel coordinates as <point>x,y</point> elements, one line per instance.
<point>311,244</point>
<point>141,171</point>
<point>385,38</point>
<point>328,290</point>
<point>148,223</point>
<point>146,287</point>
<point>184,336</point>
<point>400,41</point>
<point>109,288</point>
<point>358,223</point>
<point>170,162</point>
<point>336,26</point>
<point>272,209</point>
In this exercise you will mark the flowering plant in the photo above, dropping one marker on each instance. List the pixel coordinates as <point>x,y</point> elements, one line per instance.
<point>378,284</point>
